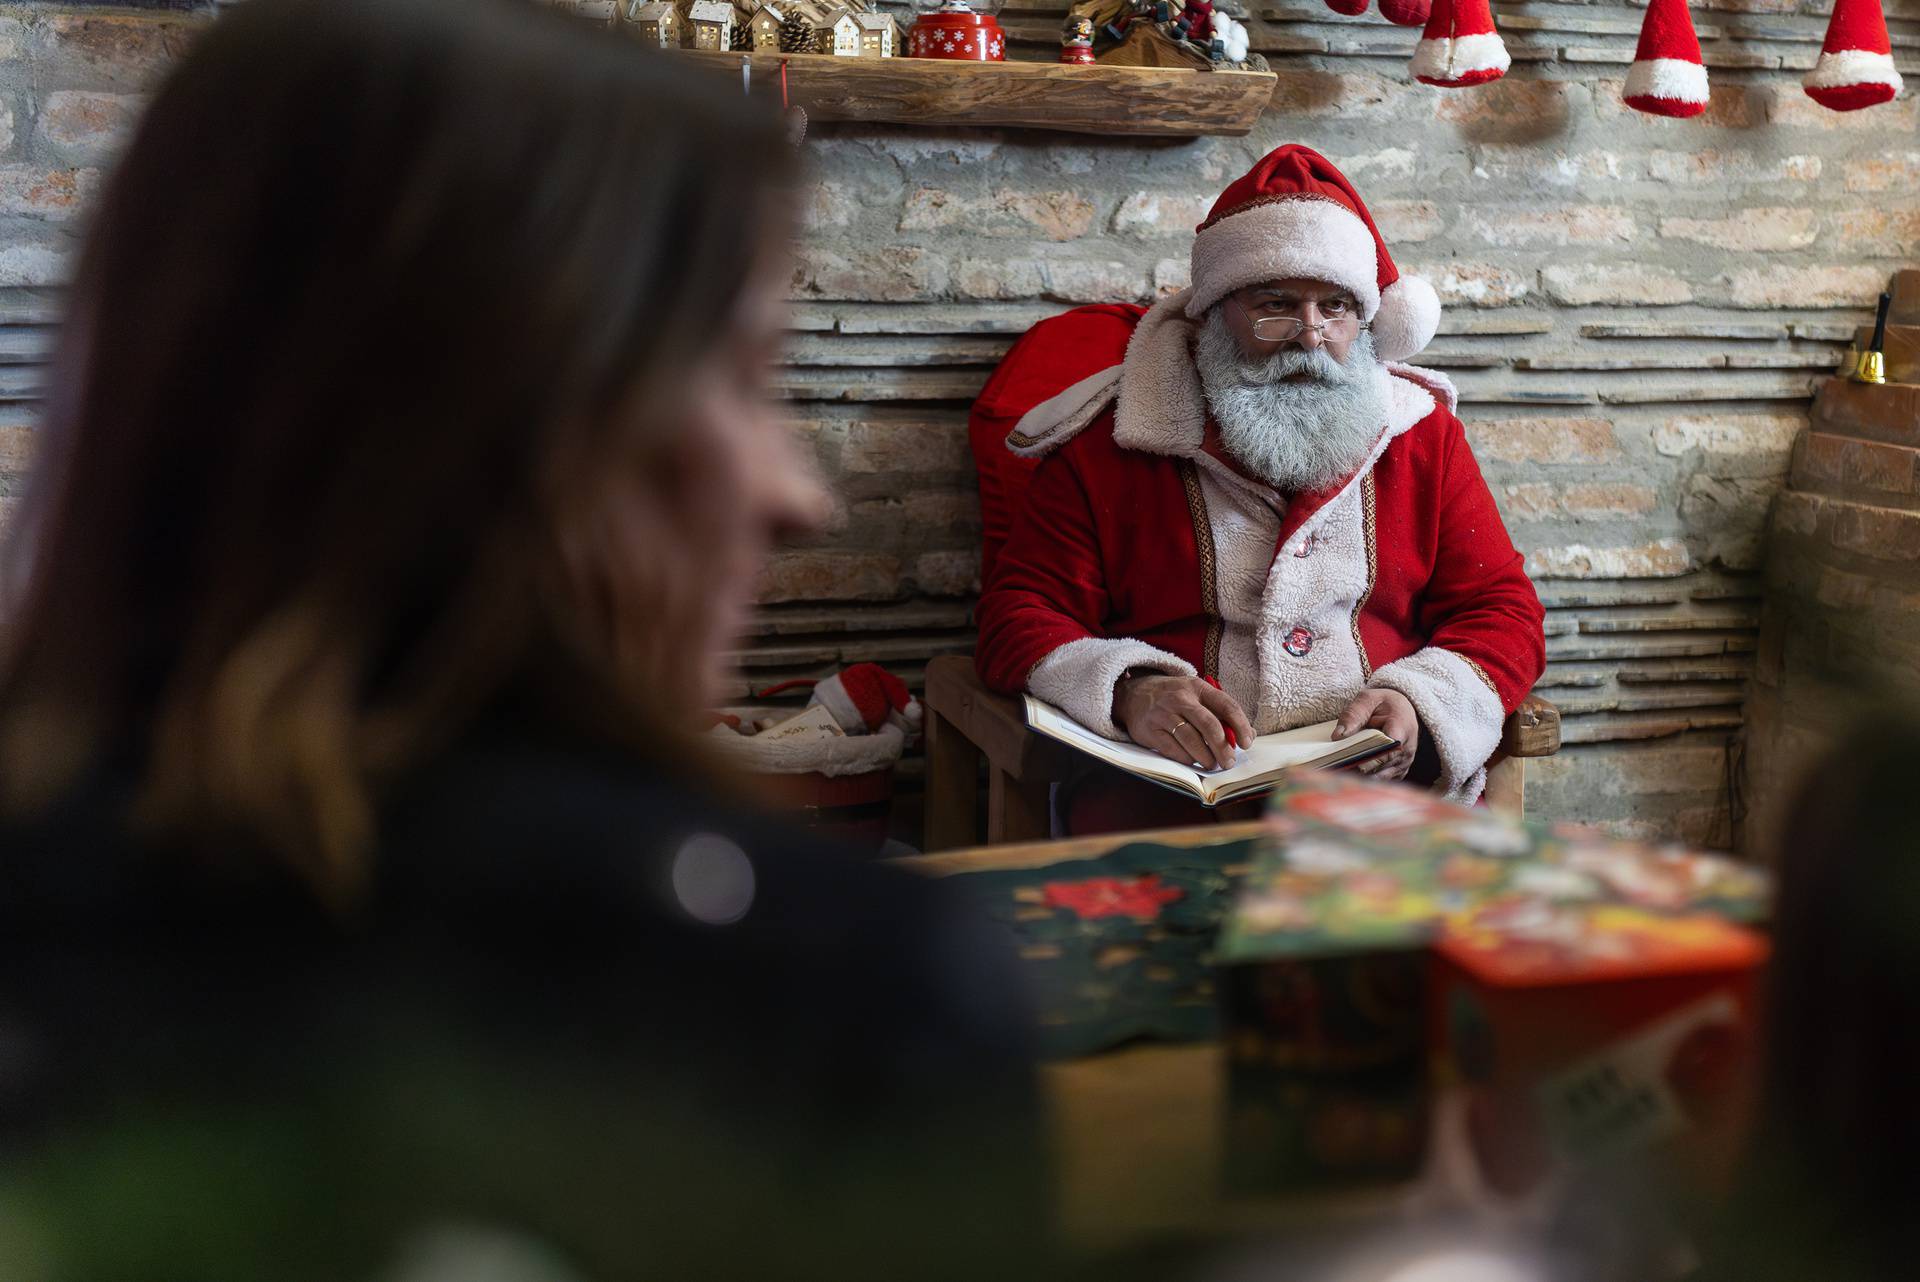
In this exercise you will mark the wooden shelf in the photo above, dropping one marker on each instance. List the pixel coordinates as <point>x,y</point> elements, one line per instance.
<point>1148,101</point>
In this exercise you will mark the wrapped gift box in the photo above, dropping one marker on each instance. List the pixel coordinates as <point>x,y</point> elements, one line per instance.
<point>1588,996</point>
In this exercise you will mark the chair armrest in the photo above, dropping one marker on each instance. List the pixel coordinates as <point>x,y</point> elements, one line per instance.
<point>1531,730</point>
<point>994,723</point>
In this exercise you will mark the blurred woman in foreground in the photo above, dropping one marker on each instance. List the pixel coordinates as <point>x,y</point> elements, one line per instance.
<point>407,471</point>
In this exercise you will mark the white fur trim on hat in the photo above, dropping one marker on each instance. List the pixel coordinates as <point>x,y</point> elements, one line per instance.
<point>1451,59</point>
<point>1311,237</point>
<point>1408,318</point>
<point>1844,67</point>
<point>1670,79</point>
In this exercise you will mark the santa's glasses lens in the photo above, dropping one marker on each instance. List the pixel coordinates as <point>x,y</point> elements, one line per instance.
<point>1284,329</point>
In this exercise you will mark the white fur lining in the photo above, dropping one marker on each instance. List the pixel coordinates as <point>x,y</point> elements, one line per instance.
<point>1162,408</point>
<point>1841,68</point>
<point>1669,79</point>
<point>1447,59</point>
<point>1079,677</point>
<point>1314,237</point>
<point>1457,709</point>
<point>852,754</point>
<point>1060,417</point>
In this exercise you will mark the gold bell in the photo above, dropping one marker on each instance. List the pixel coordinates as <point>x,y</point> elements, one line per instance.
<point>1871,368</point>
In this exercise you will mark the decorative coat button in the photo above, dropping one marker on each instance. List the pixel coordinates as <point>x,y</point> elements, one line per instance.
<point>1298,642</point>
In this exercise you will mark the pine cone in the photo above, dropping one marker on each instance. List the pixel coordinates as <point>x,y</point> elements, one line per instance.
<point>796,35</point>
<point>742,38</point>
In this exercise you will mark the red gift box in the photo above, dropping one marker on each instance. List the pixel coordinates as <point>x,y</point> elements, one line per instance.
<point>956,31</point>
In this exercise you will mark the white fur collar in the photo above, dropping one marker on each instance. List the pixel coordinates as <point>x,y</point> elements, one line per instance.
<point>1161,408</point>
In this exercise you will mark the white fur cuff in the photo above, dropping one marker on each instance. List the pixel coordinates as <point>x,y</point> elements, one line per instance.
<point>1843,67</point>
<point>1079,677</point>
<point>1312,237</point>
<point>1457,708</point>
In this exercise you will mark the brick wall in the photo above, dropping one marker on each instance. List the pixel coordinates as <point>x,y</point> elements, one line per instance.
<point>1635,310</point>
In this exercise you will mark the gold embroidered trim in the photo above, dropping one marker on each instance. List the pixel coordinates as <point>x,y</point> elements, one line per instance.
<point>1209,578</point>
<point>1373,571</point>
<point>1478,671</point>
<point>1287,198</point>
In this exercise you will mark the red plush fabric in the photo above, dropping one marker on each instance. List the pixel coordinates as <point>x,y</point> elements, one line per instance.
<point>1049,358</point>
<point>1105,548</point>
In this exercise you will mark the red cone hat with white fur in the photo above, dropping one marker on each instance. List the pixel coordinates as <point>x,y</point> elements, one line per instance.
<point>1295,215</point>
<point>1856,63</point>
<point>1667,78</point>
<point>1459,46</point>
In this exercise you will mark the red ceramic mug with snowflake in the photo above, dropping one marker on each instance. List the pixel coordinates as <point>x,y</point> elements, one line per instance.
<point>956,30</point>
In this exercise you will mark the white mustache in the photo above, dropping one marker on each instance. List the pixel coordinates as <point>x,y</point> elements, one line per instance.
<point>1316,363</point>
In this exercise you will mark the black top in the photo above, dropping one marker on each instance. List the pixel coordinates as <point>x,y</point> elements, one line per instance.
<point>579,1000</point>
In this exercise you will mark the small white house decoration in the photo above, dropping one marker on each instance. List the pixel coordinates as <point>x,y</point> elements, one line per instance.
<point>709,25</point>
<point>879,35</point>
<point>656,23</point>
<point>765,25</point>
<point>839,34</point>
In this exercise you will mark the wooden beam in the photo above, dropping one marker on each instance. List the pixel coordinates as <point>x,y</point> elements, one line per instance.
<point>1148,101</point>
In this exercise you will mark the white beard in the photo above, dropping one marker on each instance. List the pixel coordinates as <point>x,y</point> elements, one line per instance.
<point>1295,436</point>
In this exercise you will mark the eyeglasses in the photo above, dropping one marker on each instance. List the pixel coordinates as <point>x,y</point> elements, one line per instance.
<point>1285,329</point>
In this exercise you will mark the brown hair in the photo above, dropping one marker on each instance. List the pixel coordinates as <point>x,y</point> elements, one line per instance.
<point>380,290</point>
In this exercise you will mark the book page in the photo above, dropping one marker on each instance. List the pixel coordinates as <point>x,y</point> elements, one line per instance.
<point>1272,753</point>
<point>1050,721</point>
<point>1268,756</point>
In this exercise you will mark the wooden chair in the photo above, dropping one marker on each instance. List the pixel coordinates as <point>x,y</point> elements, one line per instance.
<point>966,722</point>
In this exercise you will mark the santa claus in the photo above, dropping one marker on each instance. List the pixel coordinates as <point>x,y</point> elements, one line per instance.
<point>1253,517</point>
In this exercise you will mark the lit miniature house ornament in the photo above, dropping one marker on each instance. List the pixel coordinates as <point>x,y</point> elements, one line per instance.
<point>839,34</point>
<point>656,23</point>
<point>879,35</point>
<point>1667,77</point>
<point>1459,46</point>
<point>1856,62</point>
<point>765,26</point>
<point>709,25</point>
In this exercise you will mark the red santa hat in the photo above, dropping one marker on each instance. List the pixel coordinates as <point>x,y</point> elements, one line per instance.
<point>1459,46</point>
<point>1295,215</point>
<point>1667,78</point>
<point>861,699</point>
<point>1856,62</point>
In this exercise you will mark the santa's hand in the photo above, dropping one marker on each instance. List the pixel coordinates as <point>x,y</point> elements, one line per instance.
<point>1182,718</point>
<point>1389,712</point>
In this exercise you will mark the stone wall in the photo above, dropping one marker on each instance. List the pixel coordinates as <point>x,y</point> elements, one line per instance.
<point>1635,309</point>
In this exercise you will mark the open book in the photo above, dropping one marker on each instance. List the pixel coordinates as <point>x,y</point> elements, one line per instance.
<point>1259,766</point>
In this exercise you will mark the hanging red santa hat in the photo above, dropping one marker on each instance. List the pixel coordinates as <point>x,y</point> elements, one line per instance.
<point>1295,215</point>
<point>1667,77</point>
<point>1352,8</point>
<point>1856,63</point>
<point>1460,46</point>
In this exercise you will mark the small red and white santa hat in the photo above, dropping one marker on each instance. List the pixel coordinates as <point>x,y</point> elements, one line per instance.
<point>1667,77</point>
<point>865,697</point>
<point>1856,62</point>
<point>1459,46</point>
<point>1295,215</point>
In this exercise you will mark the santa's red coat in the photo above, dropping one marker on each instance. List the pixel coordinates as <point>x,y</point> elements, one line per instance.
<point>1402,576</point>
